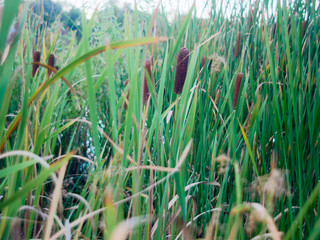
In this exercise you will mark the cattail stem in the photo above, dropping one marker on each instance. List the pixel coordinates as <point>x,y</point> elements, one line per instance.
<point>182,68</point>
<point>36,58</point>
<point>237,89</point>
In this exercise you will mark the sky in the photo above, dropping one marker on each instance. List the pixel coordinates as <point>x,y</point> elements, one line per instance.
<point>170,6</point>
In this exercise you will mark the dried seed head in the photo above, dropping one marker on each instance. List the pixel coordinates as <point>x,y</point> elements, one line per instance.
<point>181,70</point>
<point>289,24</point>
<point>108,197</point>
<point>276,184</point>
<point>36,58</point>
<point>272,185</point>
<point>238,44</point>
<point>236,91</point>
<point>147,66</point>
<point>223,162</point>
<point>125,85</point>
<point>51,64</point>
<point>215,63</point>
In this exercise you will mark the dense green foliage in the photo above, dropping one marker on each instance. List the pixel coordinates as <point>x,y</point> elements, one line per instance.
<point>207,163</point>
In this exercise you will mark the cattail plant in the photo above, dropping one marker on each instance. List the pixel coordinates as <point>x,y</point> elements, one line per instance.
<point>181,70</point>
<point>125,85</point>
<point>289,24</point>
<point>238,44</point>
<point>36,58</point>
<point>237,89</point>
<point>147,66</point>
<point>51,64</point>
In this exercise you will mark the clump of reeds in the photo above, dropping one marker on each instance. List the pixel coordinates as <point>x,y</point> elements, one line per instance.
<point>127,96</point>
<point>146,92</point>
<point>237,89</point>
<point>238,45</point>
<point>182,68</point>
<point>51,64</point>
<point>36,58</point>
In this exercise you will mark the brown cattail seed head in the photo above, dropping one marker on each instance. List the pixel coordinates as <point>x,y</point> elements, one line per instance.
<point>51,64</point>
<point>289,24</point>
<point>203,61</point>
<point>147,66</point>
<point>125,85</point>
<point>36,58</point>
<point>303,26</point>
<point>236,91</point>
<point>181,70</point>
<point>238,44</point>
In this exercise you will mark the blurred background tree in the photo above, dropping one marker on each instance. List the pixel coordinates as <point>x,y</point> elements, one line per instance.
<point>72,21</point>
<point>50,10</point>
